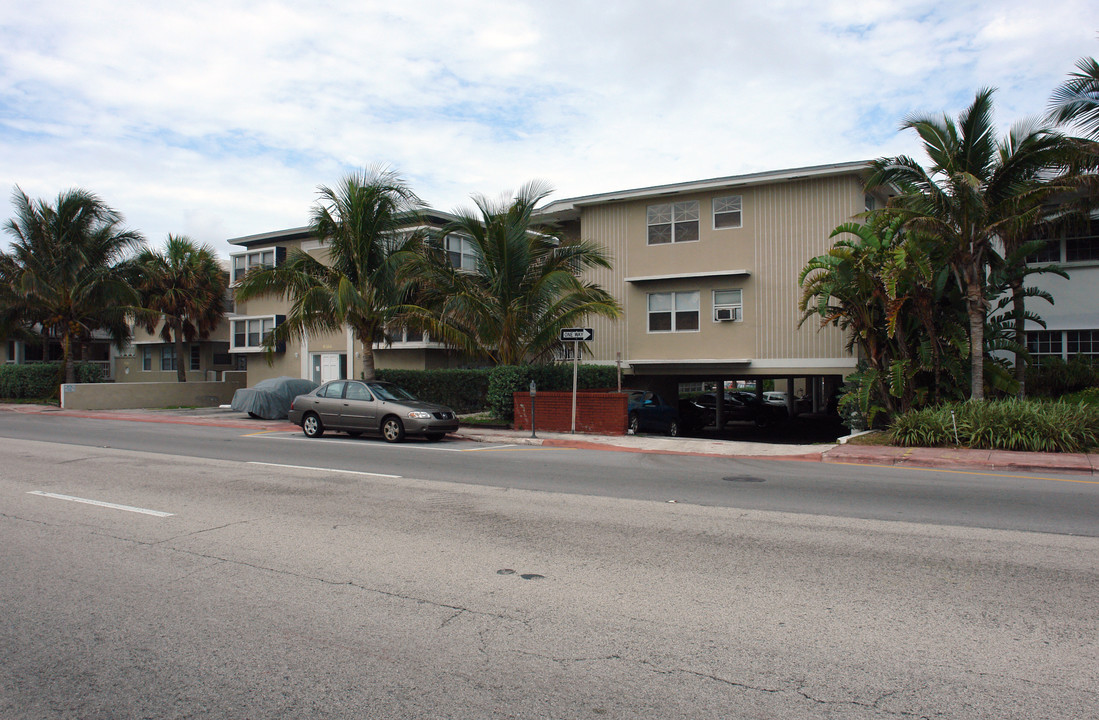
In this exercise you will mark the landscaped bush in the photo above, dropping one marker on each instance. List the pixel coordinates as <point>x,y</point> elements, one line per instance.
<point>1002,425</point>
<point>462,390</point>
<point>1055,377</point>
<point>40,381</point>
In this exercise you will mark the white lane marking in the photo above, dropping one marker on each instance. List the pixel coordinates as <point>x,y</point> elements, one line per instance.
<point>100,503</point>
<point>387,446</point>
<point>320,469</point>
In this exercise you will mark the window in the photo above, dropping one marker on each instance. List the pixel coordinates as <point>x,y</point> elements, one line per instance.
<point>727,305</point>
<point>868,202</point>
<point>673,311</point>
<point>673,222</point>
<point>261,258</point>
<point>167,357</point>
<point>196,357</point>
<point>1050,253</point>
<point>249,334</point>
<point>146,358</point>
<point>461,252</point>
<point>1043,343</point>
<point>727,212</point>
<point>334,389</point>
<point>1083,342</point>
<point>1082,249</point>
<point>357,391</point>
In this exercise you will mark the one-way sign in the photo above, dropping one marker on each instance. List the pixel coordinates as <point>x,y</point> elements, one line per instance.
<point>577,335</point>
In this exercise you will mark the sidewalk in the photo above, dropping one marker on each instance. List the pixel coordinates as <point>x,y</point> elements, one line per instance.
<point>945,458</point>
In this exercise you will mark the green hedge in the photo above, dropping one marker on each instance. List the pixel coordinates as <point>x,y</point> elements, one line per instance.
<point>490,389</point>
<point>462,390</point>
<point>39,381</point>
<point>1055,377</point>
<point>1001,425</point>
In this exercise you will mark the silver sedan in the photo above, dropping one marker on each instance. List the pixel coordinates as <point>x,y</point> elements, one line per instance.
<point>357,406</point>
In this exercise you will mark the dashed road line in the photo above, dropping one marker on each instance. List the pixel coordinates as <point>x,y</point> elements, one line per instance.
<point>100,503</point>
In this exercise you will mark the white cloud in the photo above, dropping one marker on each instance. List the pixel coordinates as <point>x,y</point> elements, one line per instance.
<point>219,119</point>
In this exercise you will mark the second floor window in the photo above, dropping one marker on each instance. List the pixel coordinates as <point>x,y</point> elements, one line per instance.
<point>673,311</point>
<point>727,212</point>
<point>728,305</point>
<point>249,334</point>
<point>461,252</point>
<point>260,258</point>
<point>672,222</point>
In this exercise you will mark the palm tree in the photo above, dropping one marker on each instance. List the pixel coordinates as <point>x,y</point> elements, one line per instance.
<point>978,189</point>
<point>66,270</point>
<point>184,288</point>
<point>522,289</point>
<point>1076,101</point>
<point>361,223</point>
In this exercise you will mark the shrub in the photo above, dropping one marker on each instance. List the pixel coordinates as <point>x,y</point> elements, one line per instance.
<point>39,381</point>
<point>1055,377</point>
<point>1002,425</point>
<point>462,390</point>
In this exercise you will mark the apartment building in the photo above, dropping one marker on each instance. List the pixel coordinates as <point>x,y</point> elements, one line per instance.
<point>1072,322</point>
<point>707,274</point>
<point>323,356</point>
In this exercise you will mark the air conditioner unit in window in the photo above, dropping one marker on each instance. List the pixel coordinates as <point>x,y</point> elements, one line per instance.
<point>726,314</point>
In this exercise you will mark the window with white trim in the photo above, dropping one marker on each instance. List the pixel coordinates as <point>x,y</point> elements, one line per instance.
<point>672,222</point>
<point>167,357</point>
<point>461,252</point>
<point>146,358</point>
<point>249,334</point>
<point>246,261</point>
<point>728,305</point>
<point>1082,342</point>
<point>673,311</point>
<point>727,212</point>
<point>196,357</point>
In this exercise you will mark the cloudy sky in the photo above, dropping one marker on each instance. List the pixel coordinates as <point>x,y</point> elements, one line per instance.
<point>219,119</point>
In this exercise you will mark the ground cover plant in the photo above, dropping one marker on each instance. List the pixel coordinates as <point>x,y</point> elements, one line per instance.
<point>1001,425</point>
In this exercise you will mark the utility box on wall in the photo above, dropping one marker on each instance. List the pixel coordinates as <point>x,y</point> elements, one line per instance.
<point>597,413</point>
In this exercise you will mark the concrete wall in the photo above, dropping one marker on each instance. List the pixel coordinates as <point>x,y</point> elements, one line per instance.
<point>115,396</point>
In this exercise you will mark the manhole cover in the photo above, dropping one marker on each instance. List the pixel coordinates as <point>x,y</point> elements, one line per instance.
<point>743,479</point>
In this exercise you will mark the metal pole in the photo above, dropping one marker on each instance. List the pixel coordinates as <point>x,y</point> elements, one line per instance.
<point>533,391</point>
<point>575,367</point>
<point>618,362</point>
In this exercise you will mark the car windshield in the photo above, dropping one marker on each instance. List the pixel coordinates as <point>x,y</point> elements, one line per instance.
<point>389,391</point>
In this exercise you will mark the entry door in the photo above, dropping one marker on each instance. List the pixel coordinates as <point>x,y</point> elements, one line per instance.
<point>326,366</point>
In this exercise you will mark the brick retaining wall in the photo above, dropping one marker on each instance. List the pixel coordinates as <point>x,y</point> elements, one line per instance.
<point>598,413</point>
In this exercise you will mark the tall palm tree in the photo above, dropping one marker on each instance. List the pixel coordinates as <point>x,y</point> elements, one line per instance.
<point>66,268</point>
<point>1076,100</point>
<point>977,190</point>
<point>184,288</point>
<point>523,289</point>
<point>362,223</point>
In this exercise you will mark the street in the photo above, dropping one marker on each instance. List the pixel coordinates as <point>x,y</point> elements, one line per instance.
<point>342,578</point>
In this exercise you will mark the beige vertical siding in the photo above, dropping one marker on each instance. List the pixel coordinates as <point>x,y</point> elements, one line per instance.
<point>795,222</point>
<point>607,225</point>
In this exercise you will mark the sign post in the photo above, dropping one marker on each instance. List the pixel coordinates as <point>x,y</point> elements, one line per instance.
<point>576,335</point>
<point>533,391</point>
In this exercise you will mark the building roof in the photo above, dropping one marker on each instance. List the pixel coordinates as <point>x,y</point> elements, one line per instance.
<point>569,207</point>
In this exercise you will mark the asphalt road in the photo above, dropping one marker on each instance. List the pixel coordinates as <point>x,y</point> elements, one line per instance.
<point>287,592</point>
<point>1009,501</point>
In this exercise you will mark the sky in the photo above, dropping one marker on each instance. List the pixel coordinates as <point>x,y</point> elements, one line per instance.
<point>220,119</point>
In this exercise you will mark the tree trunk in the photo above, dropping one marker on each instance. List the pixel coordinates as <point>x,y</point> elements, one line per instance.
<point>67,358</point>
<point>181,369</point>
<point>368,361</point>
<point>976,347</point>
<point>1019,313</point>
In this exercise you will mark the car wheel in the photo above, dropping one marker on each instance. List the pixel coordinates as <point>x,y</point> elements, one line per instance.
<point>433,437</point>
<point>673,429</point>
<point>254,416</point>
<point>393,429</point>
<point>763,420</point>
<point>635,423</point>
<point>311,425</point>
<point>354,433</point>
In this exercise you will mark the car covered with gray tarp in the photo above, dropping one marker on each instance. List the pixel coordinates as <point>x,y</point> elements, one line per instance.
<point>270,399</point>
